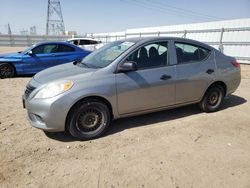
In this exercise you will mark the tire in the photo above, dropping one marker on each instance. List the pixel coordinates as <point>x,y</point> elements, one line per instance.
<point>213,99</point>
<point>6,71</point>
<point>88,119</point>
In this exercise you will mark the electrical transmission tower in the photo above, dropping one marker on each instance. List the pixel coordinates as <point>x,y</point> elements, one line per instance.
<point>55,24</point>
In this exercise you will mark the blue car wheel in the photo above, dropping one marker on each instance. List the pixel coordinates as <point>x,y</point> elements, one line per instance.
<point>6,70</point>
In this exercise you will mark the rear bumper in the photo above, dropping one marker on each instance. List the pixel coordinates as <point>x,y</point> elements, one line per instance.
<point>233,82</point>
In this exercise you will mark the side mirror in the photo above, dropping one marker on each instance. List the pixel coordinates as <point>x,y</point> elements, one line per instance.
<point>30,53</point>
<point>128,66</point>
<point>77,61</point>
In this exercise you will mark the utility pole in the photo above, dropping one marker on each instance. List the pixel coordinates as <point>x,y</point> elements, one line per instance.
<point>9,30</point>
<point>55,24</point>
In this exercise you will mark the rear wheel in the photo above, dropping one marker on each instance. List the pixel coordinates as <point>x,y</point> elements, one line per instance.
<point>88,119</point>
<point>6,70</point>
<point>213,99</point>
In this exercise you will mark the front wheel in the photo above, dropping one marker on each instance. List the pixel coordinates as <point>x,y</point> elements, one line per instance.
<point>88,119</point>
<point>213,99</point>
<point>6,70</point>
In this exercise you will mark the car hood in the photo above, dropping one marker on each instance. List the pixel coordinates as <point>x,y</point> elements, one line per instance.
<point>11,56</point>
<point>67,71</point>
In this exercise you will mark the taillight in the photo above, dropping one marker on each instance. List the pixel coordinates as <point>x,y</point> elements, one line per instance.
<point>235,64</point>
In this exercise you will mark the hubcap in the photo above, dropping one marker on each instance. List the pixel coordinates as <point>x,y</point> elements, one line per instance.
<point>89,120</point>
<point>5,71</point>
<point>213,98</point>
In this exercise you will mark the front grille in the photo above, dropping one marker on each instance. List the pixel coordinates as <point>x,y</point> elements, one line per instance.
<point>28,91</point>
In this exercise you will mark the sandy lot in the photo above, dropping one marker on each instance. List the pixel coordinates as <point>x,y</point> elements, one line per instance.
<point>175,148</point>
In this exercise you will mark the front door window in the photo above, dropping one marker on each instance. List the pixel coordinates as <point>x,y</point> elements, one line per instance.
<point>151,55</point>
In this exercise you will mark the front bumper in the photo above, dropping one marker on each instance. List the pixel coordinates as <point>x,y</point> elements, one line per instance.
<point>48,114</point>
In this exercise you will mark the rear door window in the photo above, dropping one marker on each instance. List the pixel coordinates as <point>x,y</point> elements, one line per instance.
<point>84,42</point>
<point>187,53</point>
<point>88,42</point>
<point>93,42</point>
<point>65,48</point>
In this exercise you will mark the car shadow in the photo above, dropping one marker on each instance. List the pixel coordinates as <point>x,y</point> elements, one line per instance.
<point>24,76</point>
<point>152,118</point>
<point>20,76</point>
<point>232,101</point>
<point>61,136</point>
<point>167,115</point>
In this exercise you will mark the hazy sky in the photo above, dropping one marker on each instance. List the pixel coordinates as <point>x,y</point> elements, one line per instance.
<point>86,16</point>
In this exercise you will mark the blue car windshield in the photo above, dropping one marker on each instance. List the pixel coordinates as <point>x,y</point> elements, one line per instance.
<point>28,49</point>
<point>104,56</point>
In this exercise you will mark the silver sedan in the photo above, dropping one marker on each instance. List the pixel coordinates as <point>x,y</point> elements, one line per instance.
<point>127,78</point>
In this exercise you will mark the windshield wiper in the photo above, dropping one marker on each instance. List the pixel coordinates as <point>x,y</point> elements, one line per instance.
<point>84,64</point>
<point>90,65</point>
<point>75,62</point>
<point>95,66</point>
<point>87,65</point>
<point>79,63</point>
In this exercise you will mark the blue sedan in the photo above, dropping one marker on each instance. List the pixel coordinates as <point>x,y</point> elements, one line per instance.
<point>39,57</point>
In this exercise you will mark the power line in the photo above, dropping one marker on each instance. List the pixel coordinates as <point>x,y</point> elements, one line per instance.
<point>179,12</point>
<point>152,6</point>
<point>188,11</point>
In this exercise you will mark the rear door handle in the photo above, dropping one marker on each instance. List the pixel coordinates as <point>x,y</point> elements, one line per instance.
<point>165,77</point>
<point>209,71</point>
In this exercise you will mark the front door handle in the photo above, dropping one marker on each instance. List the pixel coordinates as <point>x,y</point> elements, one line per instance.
<point>209,71</point>
<point>165,77</point>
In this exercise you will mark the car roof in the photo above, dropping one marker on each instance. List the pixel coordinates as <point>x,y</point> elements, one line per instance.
<point>149,39</point>
<point>55,42</point>
<point>52,42</point>
<point>82,39</point>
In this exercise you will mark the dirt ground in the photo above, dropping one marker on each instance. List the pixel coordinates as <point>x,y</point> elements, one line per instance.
<point>175,148</point>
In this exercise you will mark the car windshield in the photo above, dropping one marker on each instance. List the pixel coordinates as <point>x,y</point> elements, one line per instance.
<point>104,56</point>
<point>28,49</point>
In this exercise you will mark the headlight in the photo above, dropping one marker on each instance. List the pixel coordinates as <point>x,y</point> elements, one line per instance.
<point>53,89</point>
